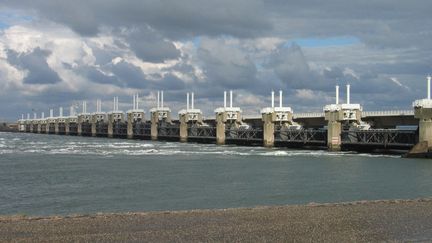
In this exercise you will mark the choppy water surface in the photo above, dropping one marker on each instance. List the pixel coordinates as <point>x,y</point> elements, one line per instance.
<point>48,174</point>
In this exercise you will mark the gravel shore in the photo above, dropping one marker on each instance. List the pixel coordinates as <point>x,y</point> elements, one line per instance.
<point>364,221</point>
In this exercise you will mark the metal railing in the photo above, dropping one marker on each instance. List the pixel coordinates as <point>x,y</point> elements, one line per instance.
<point>383,137</point>
<point>244,133</point>
<point>196,131</point>
<point>166,129</point>
<point>301,135</point>
<point>119,129</point>
<point>388,113</point>
<point>308,115</point>
<point>142,128</point>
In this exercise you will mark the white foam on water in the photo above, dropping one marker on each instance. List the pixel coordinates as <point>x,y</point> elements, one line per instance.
<point>275,153</point>
<point>7,151</point>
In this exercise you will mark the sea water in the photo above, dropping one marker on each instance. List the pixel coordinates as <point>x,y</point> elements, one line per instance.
<point>48,174</point>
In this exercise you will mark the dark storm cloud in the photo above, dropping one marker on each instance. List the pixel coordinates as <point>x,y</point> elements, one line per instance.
<point>225,65</point>
<point>129,74</point>
<point>174,18</point>
<point>150,46</point>
<point>97,76</point>
<point>36,64</point>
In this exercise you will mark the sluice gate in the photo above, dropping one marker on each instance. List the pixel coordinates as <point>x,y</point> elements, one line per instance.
<point>342,126</point>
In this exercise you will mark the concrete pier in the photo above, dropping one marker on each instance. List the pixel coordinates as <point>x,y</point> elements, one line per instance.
<point>38,126</point>
<point>183,127</point>
<point>334,129</point>
<point>340,115</point>
<point>424,114</point>
<point>133,116</point>
<point>113,118</point>
<point>97,118</point>
<point>220,127</point>
<point>268,129</point>
<point>56,127</point>
<point>189,117</point>
<point>158,115</point>
<point>226,117</point>
<point>82,118</point>
<point>283,116</point>
<point>67,125</point>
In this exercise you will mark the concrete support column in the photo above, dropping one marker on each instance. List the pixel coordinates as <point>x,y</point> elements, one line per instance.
<point>130,133</point>
<point>110,126</point>
<point>183,128</point>
<point>47,127</point>
<point>220,128</point>
<point>154,125</point>
<point>93,128</point>
<point>425,131</point>
<point>67,128</point>
<point>79,128</point>
<point>39,128</point>
<point>425,124</point>
<point>56,127</point>
<point>268,130</point>
<point>31,127</point>
<point>424,114</point>
<point>334,130</point>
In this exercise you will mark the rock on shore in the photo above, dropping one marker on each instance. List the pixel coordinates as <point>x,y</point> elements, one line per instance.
<point>365,221</point>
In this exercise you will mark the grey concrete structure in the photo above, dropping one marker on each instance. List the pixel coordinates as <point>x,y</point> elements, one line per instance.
<point>97,118</point>
<point>338,115</point>
<point>159,115</point>
<point>189,117</point>
<point>83,118</point>
<point>283,116</point>
<point>134,116</point>
<point>340,126</point>
<point>229,117</point>
<point>113,118</point>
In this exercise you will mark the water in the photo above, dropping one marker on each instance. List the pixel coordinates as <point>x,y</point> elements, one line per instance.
<point>48,174</point>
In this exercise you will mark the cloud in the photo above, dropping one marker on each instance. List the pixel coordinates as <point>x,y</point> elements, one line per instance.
<point>226,65</point>
<point>56,52</point>
<point>35,63</point>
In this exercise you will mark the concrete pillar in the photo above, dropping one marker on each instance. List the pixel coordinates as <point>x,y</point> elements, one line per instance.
<point>268,130</point>
<point>183,127</point>
<point>56,127</point>
<point>334,129</point>
<point>220,128</point>
<point>130,122</point>
<point>425,124</point>
<point>47,127</point>
<point>67,127</point>
<point>79,128</point>
<point>39,127</point>
<point>132,117</point>
<point>425,131</point>
<point>31,127</point>
<point>110,125</point>
<point>93,128</point>
<point>154,125</point>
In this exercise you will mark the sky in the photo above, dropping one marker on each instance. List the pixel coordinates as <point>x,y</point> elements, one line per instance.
<point>58,53</point>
